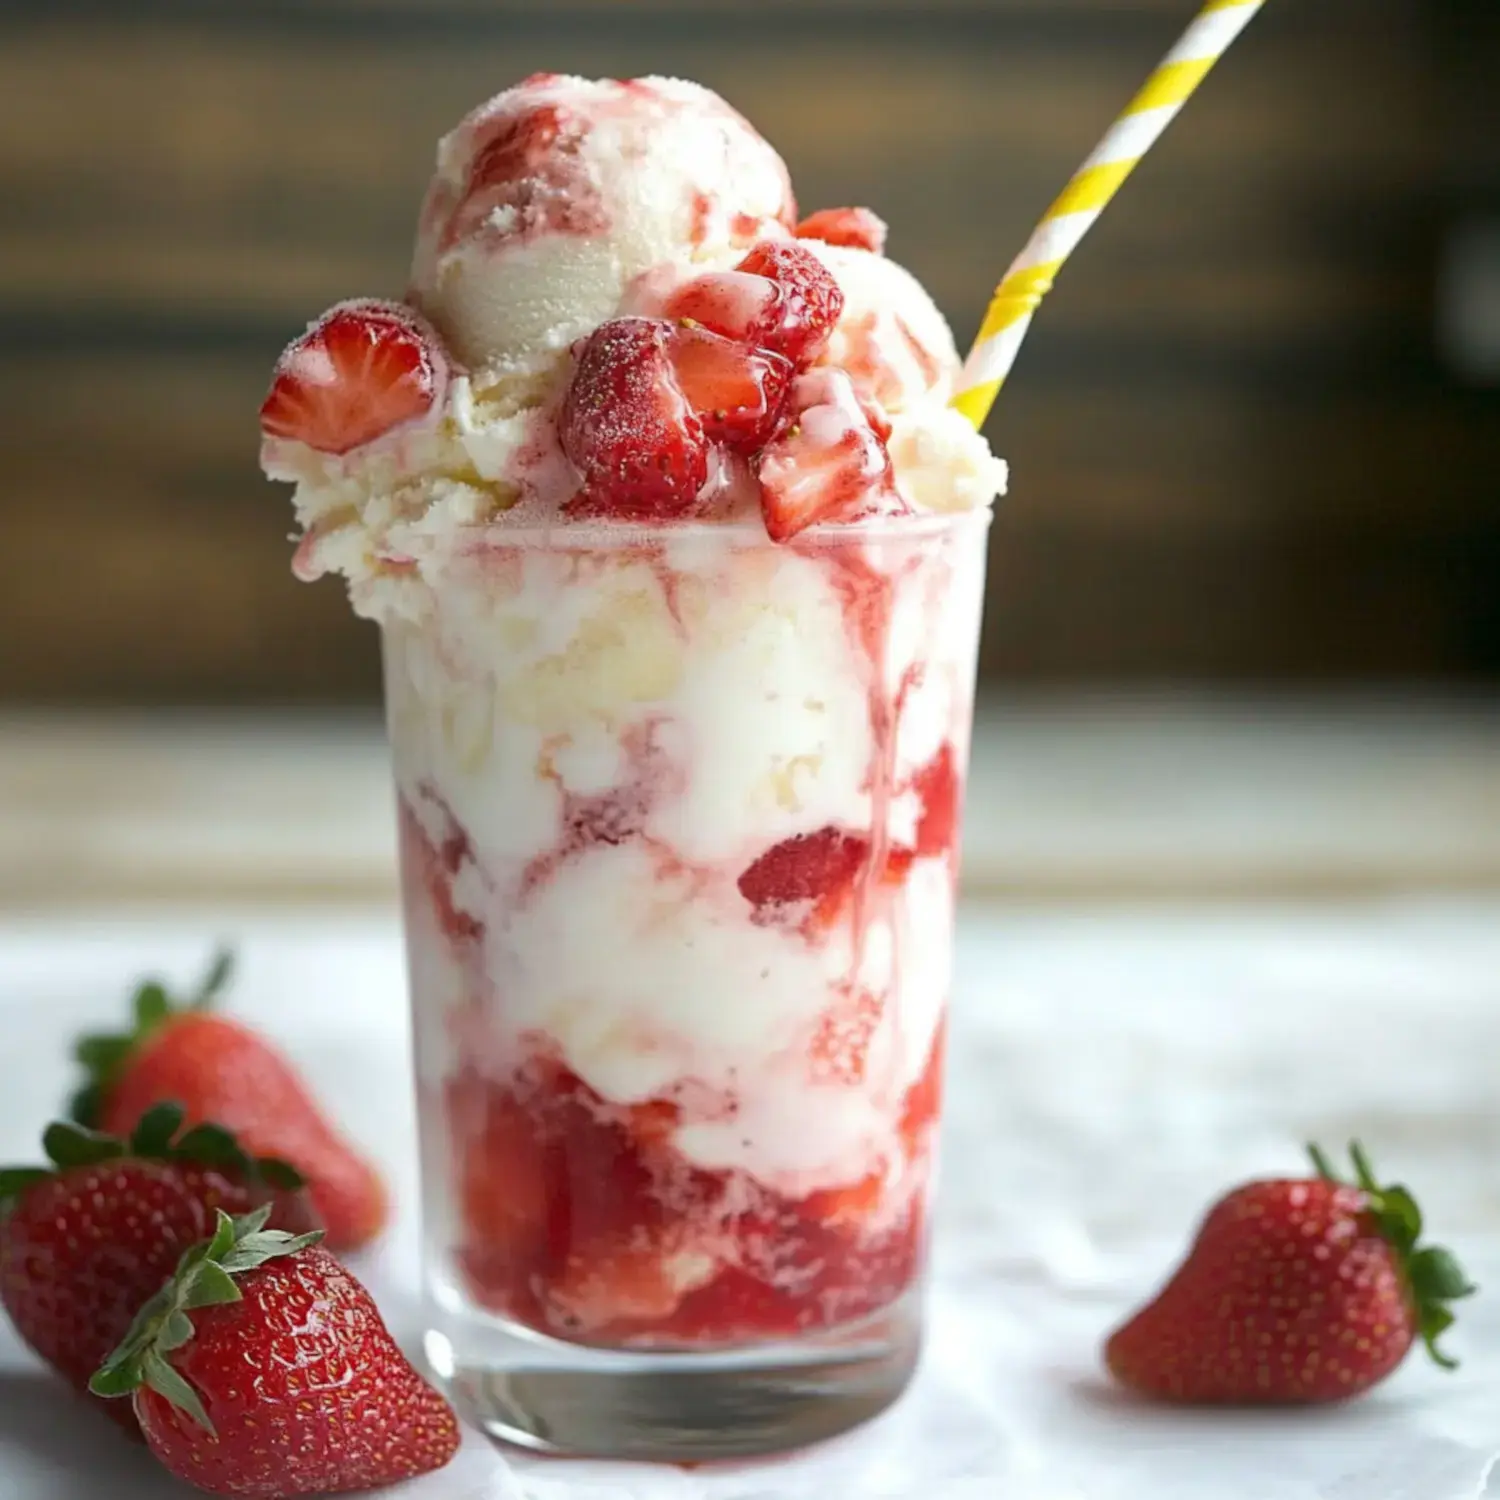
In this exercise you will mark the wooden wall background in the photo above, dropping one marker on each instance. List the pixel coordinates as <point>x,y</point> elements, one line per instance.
<point>1235,450</point>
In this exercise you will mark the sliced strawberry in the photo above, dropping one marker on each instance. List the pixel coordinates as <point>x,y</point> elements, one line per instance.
<point>734,304</point>
<point>804,881</point>
<point>938,786</point>
<point>830,464</point>
<point>857,228</point>
<point>738,393</point>
<point>627,427</point>
<point>363,369</point>
<point>780,298</point>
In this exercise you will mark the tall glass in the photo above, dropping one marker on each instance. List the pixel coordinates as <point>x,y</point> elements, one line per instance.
<point>679,842</point>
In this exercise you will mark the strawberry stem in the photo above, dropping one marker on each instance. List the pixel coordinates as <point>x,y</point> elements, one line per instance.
<point>155,1138</point>
<point>1321,1164</point>
<point>204,1278</point>
<point>1434,1277</point>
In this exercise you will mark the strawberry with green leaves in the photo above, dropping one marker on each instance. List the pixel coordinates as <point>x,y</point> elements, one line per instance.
<point>220,1070</point>
<point>262,1369</point>
<point>85,1239</point>
<point>1298,1290</point>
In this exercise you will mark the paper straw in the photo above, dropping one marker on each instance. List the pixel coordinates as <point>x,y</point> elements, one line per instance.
<point>1031,275</point>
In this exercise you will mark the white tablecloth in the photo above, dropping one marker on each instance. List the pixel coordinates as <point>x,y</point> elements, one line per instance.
<point>1111,1074</point>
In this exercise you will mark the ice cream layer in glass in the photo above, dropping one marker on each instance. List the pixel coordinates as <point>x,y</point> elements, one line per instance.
<point>677,551</point>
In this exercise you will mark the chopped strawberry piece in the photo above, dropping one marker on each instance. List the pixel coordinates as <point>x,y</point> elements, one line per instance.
<point>811,300</point>
<point>737,1305</point>
<point>804,880</point>
<point>627,427</point>
<point>734,304</point>
<point>851,1204</point>
<point>938,787</point>
<point>780,298</point>
<point>623,1283</point>
<point>857,228</point>
<point>830,464</point>
<point>738,393</point>
<point>502,1187</point>
<point>363,369</point>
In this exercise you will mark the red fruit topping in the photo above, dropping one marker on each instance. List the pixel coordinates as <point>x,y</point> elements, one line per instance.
<point>738,393</point>
<point>811,300</point>
<point>829,465</point>
<point>594,1223</point>
<point>734,304</point>
<point>938,787</point>
<point>857,228</point>
<point>1300,1290</point>
<point>526,176</point>
<point>627,427</point>
<point>804,879</point>
<point>780,298</point>
<point>360,371</point>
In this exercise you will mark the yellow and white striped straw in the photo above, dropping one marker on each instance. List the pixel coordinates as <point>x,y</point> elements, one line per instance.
<point>1086,197</point>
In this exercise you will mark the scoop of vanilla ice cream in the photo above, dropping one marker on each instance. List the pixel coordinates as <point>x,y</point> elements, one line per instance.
<point>897,349</point>
<point>551,198</point>
<point>891,339</point>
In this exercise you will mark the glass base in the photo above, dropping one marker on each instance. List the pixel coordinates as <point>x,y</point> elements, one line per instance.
<point>569,1399</point>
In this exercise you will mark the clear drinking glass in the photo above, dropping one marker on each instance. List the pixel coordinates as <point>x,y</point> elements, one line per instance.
<point>679,814</point>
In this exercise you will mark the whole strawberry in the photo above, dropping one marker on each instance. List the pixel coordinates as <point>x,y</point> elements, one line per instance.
<point>85,1241</point>
<point>221,1070</point>
<point>1299,1290</point>
<point>262,1369</point>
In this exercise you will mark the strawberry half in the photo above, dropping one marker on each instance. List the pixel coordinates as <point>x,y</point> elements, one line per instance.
<point>220,1070</point>
<point>85,1240</point>
<point>858,228</point>
<point>1301,1290</point>
<point>362,370</point>
<point>629,430</point>
<point>263,1369</point>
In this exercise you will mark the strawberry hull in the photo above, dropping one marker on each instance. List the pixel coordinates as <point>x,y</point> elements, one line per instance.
<point>679,815</point>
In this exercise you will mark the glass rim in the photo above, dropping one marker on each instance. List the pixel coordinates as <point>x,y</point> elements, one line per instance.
<point>599,535</point>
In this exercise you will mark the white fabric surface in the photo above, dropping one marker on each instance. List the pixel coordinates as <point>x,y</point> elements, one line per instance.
<point>1111,1074</point>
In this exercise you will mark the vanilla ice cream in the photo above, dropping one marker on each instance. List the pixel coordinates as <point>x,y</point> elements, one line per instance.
<point>678,553</point>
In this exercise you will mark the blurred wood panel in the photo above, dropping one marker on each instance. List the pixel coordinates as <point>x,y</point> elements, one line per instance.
<point>1233,452</point>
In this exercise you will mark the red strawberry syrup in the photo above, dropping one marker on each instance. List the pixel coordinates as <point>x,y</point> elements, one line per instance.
<point>579,1216</point>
